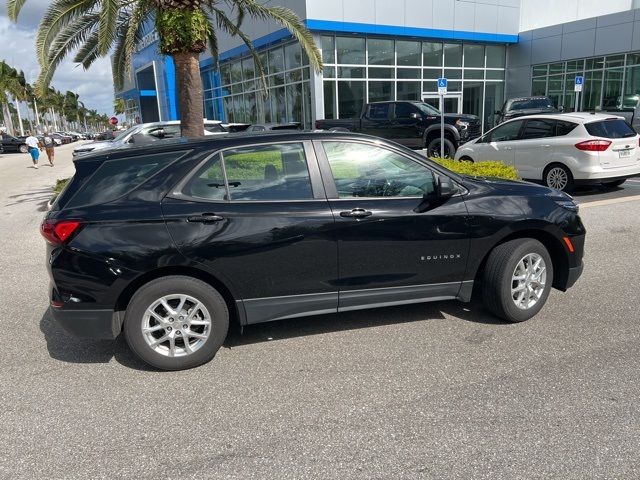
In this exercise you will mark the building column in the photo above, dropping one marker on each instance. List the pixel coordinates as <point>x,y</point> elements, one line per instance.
<point>316,87</point>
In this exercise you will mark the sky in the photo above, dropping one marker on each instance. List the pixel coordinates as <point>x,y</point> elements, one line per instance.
<point>17,48</point>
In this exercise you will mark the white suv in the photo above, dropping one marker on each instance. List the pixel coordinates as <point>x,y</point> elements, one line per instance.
<point>562,150</point>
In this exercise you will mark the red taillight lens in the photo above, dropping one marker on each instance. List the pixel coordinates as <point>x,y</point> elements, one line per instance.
<point>318,125</point>
<point>593,145</point>
<point>58,232</point>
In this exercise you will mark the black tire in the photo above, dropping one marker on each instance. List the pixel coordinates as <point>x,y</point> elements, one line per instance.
<point>176,285</point>
<point>433,148</point>
<point>554,170</point>
<point>614,184</point>
<point>466,159</point>
<point>498,275</point>
<point>23,149</point>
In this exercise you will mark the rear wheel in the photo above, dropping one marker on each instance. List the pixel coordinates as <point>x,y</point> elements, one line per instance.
<point>517,279</point>
<point>559,177</point>
<point>433,148</point>
<point>176,322</point>
<point>466,159</point>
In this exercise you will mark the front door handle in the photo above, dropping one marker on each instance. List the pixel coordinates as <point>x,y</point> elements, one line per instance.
<point>508,148</point>
<point>205,218</point>
<point>356,213</point>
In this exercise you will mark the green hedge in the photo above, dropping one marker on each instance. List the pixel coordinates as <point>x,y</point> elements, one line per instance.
<point>481,169</point>
<point>60,184</point>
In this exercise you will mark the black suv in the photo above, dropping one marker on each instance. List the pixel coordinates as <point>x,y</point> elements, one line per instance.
<point>522,107</point>
<point>169,244</point>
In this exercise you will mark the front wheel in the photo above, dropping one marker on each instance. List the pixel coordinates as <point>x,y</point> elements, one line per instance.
<point>176,322</point>
<point>517,279</point>
<point>23,149</point>
<point>434,151</point>
<point>559,177</point>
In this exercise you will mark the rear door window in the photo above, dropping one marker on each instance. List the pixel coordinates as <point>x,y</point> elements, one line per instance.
<point>378,111</point>
<point>539,128</point>
<point>256,173</point>
<point>614,128</point>
<point>115,178</point>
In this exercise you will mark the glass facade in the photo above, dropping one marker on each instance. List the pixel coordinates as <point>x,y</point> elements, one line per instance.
<point>610,82</point>
<point>359,70</point>
<point>235,92</point>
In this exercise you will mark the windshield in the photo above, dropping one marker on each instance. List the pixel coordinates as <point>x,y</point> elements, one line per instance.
<point>533,103</point>
<point>426,108</point>
<point>124,133</point>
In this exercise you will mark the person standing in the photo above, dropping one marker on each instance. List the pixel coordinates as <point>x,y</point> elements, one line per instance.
<point>49,145</point>
<point>34,148</point>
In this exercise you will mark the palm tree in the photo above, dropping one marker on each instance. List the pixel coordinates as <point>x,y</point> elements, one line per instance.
<point>185,28</point>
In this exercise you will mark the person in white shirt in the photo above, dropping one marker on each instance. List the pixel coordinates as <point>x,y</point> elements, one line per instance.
<point>34,148</point>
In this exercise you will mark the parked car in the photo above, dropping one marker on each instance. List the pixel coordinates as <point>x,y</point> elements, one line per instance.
<point>627,107</point>
<point>146,133</point>
<point>13,144</point>
<point>170,244</point>
<point>65,139</point>
<point>271,127</point>
<point>525,106</point>
<point>562,150</point>
<point>412,124</point>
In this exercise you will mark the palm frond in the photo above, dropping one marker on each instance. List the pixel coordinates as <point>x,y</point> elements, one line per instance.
<point>59,14</point>
<point>108,25</point>
<point>289,20</point>
<point>88,52</point>
<point>14,7</point>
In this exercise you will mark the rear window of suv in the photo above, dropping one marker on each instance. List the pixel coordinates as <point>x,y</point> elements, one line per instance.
<point>614,128</point>
<point>115,178</point>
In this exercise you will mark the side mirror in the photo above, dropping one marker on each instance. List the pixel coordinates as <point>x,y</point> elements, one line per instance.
<point>445,187</point>
<point>497,112</point>
<point>415,116</point>
<point>561,108</point>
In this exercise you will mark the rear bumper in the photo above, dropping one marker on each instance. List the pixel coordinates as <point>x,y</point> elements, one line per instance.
<point>600,180</point>
<point>99,324</point>
<point>574,275</point>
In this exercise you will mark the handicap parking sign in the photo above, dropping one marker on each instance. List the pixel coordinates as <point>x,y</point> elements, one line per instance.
<point>442,86</point>
<point>579,83</point>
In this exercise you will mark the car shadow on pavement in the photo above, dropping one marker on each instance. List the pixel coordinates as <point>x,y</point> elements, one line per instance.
<point>39,197</point>
<point>70,349</point>
<point>66,348</point>
<point>321,324</point>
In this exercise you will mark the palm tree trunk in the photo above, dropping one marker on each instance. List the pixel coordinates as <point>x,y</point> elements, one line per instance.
<point>19,117</point>
<point>8,121</point>
<point>189,84</point>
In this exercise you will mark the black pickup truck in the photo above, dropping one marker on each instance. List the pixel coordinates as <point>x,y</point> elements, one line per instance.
<point>413,124</point>
<point>627,107</point>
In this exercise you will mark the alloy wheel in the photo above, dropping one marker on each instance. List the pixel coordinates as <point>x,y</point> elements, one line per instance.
<point>557,178</point>
<point>528,281</point>
<point>176,325</point>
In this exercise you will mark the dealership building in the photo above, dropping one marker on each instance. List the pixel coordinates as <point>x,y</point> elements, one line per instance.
<point>376,50</point>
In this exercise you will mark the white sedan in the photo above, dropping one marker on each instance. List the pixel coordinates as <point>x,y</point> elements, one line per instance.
<point>562,150</point>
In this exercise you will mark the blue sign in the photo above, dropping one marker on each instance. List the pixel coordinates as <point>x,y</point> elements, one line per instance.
<point>442,83</point>
<point>579,80</point>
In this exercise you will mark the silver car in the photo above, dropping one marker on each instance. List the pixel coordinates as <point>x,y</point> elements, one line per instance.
<point>145,133</point>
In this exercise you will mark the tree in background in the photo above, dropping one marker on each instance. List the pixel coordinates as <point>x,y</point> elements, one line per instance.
<point>93,28</point>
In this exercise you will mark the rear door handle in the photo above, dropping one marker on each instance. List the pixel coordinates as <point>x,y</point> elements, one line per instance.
<point>356,213</point>
<point>205,218</point>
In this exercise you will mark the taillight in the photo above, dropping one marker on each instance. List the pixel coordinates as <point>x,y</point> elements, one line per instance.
<point>593,145</point>
<point>58,232</point>
<point>318,125</point>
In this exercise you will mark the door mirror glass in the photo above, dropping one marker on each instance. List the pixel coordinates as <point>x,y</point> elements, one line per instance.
<point>370,171</point>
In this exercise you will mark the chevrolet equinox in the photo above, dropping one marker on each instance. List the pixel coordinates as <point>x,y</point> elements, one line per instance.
<point>168,244</point>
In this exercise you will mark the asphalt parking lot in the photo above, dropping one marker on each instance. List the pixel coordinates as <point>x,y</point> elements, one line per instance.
<point>441,390</point>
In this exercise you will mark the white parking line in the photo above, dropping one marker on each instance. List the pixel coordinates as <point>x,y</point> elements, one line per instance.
<point>611,201</point>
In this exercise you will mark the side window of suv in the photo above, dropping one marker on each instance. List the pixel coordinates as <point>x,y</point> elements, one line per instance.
<point>404,110</point>
<point>539,128</point>
<point>506,132</point>
<point>361,170</point>
<point>257,173</point>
